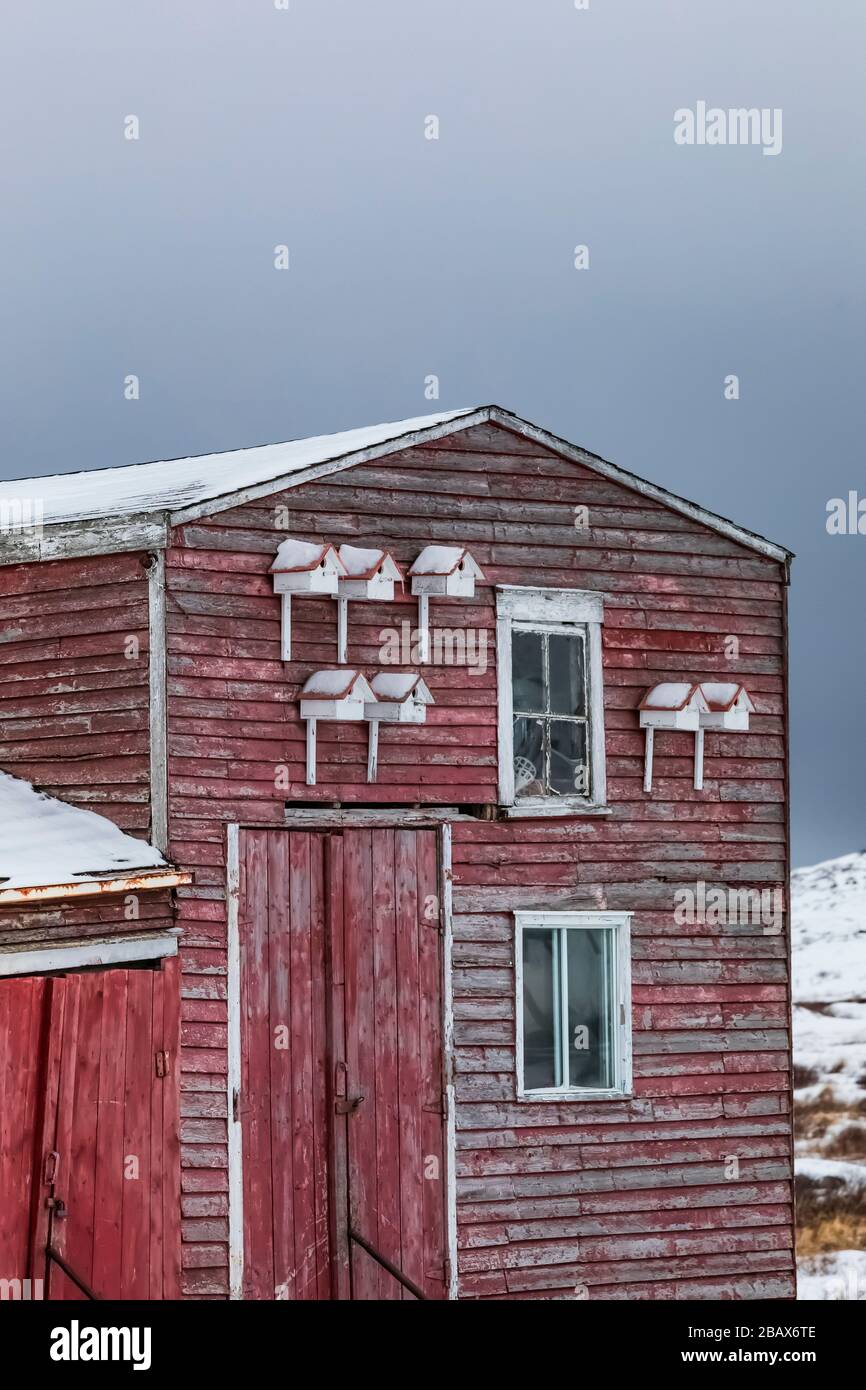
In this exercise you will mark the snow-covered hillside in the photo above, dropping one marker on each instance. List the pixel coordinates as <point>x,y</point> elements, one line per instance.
<point>829,946</point>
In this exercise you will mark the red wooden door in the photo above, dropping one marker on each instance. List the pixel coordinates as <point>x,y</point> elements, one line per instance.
<point>343,1125</point>
<point>94,1169</point>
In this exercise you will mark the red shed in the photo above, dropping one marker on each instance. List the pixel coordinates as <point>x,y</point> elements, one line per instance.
<point>453,958</point>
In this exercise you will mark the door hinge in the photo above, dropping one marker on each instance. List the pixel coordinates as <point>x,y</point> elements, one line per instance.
<point>162,1066</point>
<point>236,1104</point>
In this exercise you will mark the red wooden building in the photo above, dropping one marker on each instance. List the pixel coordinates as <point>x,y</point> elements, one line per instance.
<point>402,909</point>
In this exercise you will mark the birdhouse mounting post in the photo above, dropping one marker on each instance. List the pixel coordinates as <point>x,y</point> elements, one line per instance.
<point>286,632</point>
<point>648,759</point>
<point>342,630</point>
<point>424,627</point>
<point>311,752</point>
<point>373,750</point>
<point>699,760</point>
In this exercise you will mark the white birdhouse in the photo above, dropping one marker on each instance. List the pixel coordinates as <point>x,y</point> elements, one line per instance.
<point>333,695</point>
<point>369,575</point>
<point>402,697</point>
<point>729,706</point>
<point>673,705</point>
<point>303,568</point>
<point>446,570</point>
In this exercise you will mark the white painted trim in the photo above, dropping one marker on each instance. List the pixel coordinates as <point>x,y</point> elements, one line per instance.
<point>158,703</point>
<point>620,923</point>
<point>554,610</point>
<point>109,951</point>
<point>524,604</point>
<point>311,752</point>
<point>233,1076</point>
<point>342,630</point>
<point>699,760</point>
<point>448,1049</point>
<point>133,882</point>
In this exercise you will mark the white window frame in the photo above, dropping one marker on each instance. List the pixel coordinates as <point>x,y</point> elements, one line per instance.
<point>620,924</point>
<point>555,610</point>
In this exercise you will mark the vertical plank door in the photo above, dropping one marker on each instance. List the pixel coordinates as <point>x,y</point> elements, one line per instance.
<point>93,1166</point>
<point>341,1096</point>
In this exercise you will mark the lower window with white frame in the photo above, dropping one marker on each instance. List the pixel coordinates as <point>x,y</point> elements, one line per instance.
<point>573,1004</point>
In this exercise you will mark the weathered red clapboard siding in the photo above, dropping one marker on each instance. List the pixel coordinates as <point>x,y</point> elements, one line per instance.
<point>37,924</point>
<point>628,1199</point>
<point>73,699</point>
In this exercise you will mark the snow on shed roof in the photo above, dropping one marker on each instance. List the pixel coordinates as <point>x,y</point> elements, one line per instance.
<point>171,484</point>
<point>44,841</point>
<point>186,488</point>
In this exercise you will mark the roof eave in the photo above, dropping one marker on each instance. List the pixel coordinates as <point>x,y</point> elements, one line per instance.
<point>137,881</point>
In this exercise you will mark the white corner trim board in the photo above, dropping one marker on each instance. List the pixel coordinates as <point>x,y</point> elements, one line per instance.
<point>158,704</point>
<point>110,951</point>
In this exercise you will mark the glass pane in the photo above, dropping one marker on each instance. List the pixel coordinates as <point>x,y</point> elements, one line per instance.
<point>569,765</point>
<point>591,1002</point>
<point>527,671</point>
<point>528,757</point>
<point>567,683</point>
<point>541,1015</point>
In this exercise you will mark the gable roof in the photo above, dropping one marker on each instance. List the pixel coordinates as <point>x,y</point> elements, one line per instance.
<point>50,849</point>
<point>151,497</point>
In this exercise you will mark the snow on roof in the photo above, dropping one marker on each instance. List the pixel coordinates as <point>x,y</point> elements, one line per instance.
<point>296,556</point>
<point>336,685</point>
<point>723,695</point>
<point>208,483</point>
<point>399,685</point>
<point>443,559</point>
<point>670,695</point>
<point>174,483</point>
<point>44,841</point>
<point>362,563</point>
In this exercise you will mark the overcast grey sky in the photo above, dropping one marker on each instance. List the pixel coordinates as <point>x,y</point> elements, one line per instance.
<point>261,126</point>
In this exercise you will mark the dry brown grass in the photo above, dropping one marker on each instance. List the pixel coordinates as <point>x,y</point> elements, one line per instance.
<point>829,1217</point>
<point>849,1143</point>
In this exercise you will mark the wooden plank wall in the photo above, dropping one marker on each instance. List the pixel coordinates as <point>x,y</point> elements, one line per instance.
<point>36,924</point>
<point>73,690</point>
<point>624,1199</point>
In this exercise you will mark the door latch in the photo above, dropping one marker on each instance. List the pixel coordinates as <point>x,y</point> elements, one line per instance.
<point>348,1107</point>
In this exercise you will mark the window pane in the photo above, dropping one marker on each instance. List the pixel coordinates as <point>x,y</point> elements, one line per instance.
<point>567,682</point>
<point>569,766</point>
<point>541,1014</point>
<point>528,757</point>
<point>591,999</point>
<point>527,671</point>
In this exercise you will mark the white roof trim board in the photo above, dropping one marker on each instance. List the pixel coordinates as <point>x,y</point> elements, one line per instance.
<point>55,849</point>
<point>179,490</point>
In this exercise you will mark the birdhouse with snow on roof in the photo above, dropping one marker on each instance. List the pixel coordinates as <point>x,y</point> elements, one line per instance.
<point>402,697</point>
<point>303,568</point>
<point>370,576</point>
<point>446,570</point>
<point>673,705</point>
<point>332,695</point>
<point>729,706</point>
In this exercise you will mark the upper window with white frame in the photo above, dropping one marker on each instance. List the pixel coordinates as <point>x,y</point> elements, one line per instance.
<point>573,1005</point>
<point>551,711</point>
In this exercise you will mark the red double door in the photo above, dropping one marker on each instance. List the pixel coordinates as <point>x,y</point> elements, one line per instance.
<point>342,1100</point>
<point>89,1164</point>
